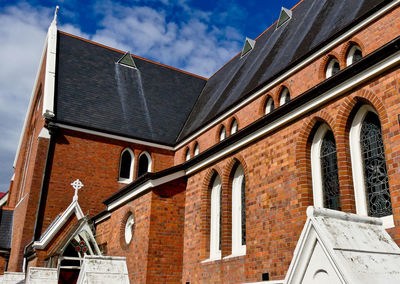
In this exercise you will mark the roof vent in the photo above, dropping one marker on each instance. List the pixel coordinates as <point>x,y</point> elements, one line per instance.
<point>248,46</point>
<point>127,60</point>
<point>285,16</point>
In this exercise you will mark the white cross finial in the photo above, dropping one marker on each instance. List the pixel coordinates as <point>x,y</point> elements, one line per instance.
<point>77,185</point>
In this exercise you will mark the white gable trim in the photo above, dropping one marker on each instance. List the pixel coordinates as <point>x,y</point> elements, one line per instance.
<point>51,232</point>
<point>289,73</point>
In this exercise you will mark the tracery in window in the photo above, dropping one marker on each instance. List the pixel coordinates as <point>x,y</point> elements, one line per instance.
<point>375,172</point>
<point>324,169</point>
<point>126,166</point>
<point>144,164</point>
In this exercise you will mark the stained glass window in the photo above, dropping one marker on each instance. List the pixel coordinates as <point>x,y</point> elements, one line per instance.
<point>375,172</point>
<point>329,169</point>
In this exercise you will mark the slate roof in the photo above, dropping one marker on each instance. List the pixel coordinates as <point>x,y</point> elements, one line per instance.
<point>92,91</point>
<point>6,218</point>
<point>313,23</point>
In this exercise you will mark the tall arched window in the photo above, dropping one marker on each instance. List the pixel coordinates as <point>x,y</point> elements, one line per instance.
<point>126,166</point>
<point>332,67</point>
<point>215,219</point>
<point>196,149</point>
<point>222,133</point>
<point>284,97</point>
<point>324,169</point>
<point>144,164</point>
<point>371,184</point>
<point>269,105</point>
<point>234,126</point>
<point>238,212</point>
<point>187,154</point>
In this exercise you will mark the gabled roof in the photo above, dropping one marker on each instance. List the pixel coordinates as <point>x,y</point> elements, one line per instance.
<point>338,247</point>
<point>6,220</point>
<point>93,91</point>
<point>313,23</point>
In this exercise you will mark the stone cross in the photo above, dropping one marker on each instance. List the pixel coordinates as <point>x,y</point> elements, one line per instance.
<point>77,185</point>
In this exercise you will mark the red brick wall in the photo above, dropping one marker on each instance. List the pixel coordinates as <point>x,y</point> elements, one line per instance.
<point>278,187</point>
<point>95,161</point>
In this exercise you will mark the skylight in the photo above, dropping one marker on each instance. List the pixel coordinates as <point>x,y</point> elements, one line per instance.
<point>248,46</point>
<point>127,60</point>
<point>285,16</point>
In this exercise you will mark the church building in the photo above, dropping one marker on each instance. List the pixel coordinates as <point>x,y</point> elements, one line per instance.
<point>282,167</point>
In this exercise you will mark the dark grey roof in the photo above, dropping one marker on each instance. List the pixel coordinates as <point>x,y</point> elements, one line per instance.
<point>313,23</point>
<point>6,219</point>
<point>151,103</point>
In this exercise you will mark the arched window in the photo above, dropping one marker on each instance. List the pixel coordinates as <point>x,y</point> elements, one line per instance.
<point>234,126</point>
<point>215,219</point>
<point>332,67</point>
<point>238,212</point>
<point>187,154</point>
<point>269,106</point>
<point>196,149</point>
<point>324,169</point>
<point>126,166</point>
<point>284,96</point>
<point>222,133</point>
<point>144,164</point>
<point>353,55</point>
<point>371,184</point>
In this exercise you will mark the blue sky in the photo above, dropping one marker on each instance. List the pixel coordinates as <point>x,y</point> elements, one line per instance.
<point>196,36</point>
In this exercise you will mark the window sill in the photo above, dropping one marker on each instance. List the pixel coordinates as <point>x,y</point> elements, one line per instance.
<point>235,255</point>
<point>388,222</point>
<point>128,181</point>
<point>211,259</point>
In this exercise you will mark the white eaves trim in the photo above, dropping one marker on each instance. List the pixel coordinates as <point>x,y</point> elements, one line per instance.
<point>102,218</point>
<point>111,136</point>
<point>292,71</point>
<point>4,199</point>
<point>309,106</point>
<point>51,232</point>
<point>144,187</point>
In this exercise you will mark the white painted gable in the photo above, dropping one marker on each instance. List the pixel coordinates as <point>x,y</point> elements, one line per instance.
<point>337,247</point>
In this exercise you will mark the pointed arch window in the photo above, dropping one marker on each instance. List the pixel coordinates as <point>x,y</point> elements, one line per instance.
<point>269,106</point>
<point>144,164</point>
<point>371,184</point>
<point>239,212</point>
<point>325,176</point>
<point>354,54</point>
<point>187,154</point>
<point>196,149</point>
<point>215,219</point>
<point>126,166</point>
<point>284,96</point>
<point>234,126</point>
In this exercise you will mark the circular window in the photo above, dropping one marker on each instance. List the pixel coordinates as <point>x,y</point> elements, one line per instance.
<point>129,229</point>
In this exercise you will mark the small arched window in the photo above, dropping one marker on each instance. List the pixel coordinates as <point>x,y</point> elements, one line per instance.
<point>144,164</point>
<point>187,154</point>
<point>269,105</point>
<point>371,184</point>
<point>222,133</point>
<point>215,219</point>
<point>234,126</point>
<point>196,149</point>
<point>284,97</point>
<point>324,169</point>
<point>353,55</point>
<point>332,67</point>
<point>126,166</point>
<point>238,212</point>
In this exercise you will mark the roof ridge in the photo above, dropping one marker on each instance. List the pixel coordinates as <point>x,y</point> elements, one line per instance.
<point>133,55</point>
